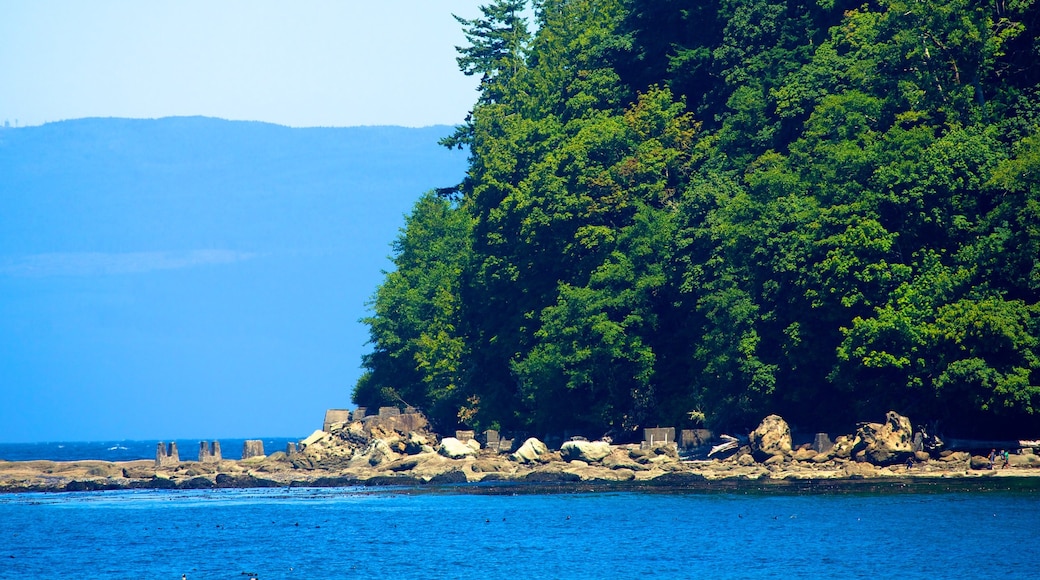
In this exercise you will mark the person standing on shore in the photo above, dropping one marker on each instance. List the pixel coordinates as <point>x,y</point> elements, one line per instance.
<point>1007,458</point>
<point>992,457</point>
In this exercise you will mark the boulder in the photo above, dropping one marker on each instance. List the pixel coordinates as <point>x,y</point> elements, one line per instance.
<point>492,465</point>
<point>979,462</point>
<point>660,460</point>
<point>954,456</point>
<point>822,457</point>
<point>531,451</point>
<point>448,477</point>
<point>594,473</point>
<point>379,452</point>
<point>619,459</point>
<point>416,443</point>
<point>804,455</point>
<point>431,465</point>
<point>886,443</point>
<point>771,438</point>
<point>1024,458</point>
<point>856,470</point>
<point>843,446</point>
<point>452,448</point>
<point>552,476</point>
<point>587,451</point>
<point>405,464</point>
<point>138,472</point>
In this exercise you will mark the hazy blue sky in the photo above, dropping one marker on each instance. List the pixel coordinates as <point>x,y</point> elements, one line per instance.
<point>302,64</point>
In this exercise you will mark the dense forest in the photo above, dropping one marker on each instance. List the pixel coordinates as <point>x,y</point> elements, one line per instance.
<point>700,212</point>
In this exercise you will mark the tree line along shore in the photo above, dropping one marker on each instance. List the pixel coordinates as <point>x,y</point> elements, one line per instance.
<point>401,450</point>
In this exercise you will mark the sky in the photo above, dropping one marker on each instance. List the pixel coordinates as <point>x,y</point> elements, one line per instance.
<point>313,63</point>
<point>302,64</point>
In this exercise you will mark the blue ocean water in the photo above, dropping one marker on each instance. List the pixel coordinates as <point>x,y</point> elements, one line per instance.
<point>188,449</point>
<point>358,533</point>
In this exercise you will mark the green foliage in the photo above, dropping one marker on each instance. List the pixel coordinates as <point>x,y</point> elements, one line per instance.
<point>415,326</point>
<point>821,209</point>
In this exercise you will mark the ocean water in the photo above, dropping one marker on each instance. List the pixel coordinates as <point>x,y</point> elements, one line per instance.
<point>306,533</point>
<point>187,449</point>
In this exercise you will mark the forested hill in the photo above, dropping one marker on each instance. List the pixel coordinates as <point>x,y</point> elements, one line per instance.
<point>684,212</point>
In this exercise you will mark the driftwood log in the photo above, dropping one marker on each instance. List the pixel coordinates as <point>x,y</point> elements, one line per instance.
<point>729,443</point>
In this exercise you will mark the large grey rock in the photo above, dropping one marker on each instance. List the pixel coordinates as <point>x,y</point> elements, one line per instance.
<point>886,443</point>
<point>532,451</point>
<point>771,438</point>
<point>980,462</point>
<point>587,451</point>
<point>619,459</point>
<point>844,445</point>
<point>452,448</point>
<point>379,453</point>
<point>804,455</point>
<point>855,470</point>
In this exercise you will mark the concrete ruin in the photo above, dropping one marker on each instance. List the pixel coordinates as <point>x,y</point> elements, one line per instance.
<point>822,443</point>
<point>691,440</point>
<point>656,436</point>
<point>333,416</point>
<point>167,456</point>
<point>209,452</point>
<point>392,418</point>
<point>253,448</point>
<point>494,441</point>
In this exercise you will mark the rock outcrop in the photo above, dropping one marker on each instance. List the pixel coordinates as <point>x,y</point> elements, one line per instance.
<point>886,443</point>
<point>399,449</point>
<point>772,438</point>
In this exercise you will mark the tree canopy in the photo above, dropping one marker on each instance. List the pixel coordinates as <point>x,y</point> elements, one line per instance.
<point>681,211</point>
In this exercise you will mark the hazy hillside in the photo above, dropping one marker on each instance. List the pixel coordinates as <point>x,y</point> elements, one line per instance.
<point>166,259</point>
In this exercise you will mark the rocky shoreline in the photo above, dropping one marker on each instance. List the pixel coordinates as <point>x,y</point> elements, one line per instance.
<point>403,452</point>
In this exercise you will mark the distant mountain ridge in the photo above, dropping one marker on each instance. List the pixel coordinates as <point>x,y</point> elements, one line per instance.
<point>166,166</point>
<point>151,264</point>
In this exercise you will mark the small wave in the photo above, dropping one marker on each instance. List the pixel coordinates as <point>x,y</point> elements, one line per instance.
<point>117,447</point>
